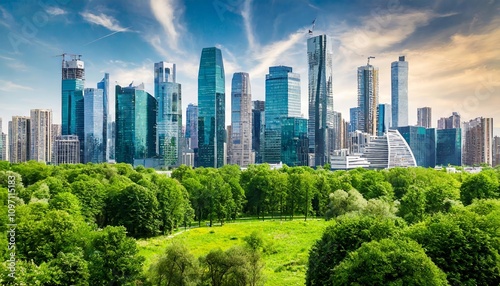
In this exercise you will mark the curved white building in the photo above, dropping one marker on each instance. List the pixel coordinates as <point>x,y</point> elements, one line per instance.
<point>389,151</point>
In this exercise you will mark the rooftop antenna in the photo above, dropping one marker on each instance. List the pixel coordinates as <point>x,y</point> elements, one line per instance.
<point>370,57</point>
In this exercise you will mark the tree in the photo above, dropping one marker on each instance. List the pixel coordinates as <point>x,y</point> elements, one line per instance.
<point>226,268</point>
<point>346,235</point>
<point>67,202</point>
<point>92,195</point>
<point>218,195</point>
<point>176,267</point>
<point>342,202</point>
<point>173,203</point>
<point>388,262</point>
<point>480,186</point>
<point>69,269</point>
<point>413,204</point>
<point>400,179</point>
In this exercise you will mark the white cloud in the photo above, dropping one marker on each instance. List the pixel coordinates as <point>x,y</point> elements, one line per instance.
<point>55,11</point>
<point>167,13</point>
<point>246,13</point>
<point>9,86</point>
<point>106,21</point>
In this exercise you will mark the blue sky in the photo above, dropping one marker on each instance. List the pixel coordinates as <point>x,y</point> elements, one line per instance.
<point>452,47</point>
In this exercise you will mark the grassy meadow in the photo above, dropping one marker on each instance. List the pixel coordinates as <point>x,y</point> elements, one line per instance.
<point>286,250</point>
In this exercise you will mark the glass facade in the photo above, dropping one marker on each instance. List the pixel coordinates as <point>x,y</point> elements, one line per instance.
<point>169,116</point>
<point>192,126</point>
<point>449,147</point>
<point>353,120</point>
<point>282,101</point>
<point>241,120</point>
<point>95,126</point>
<point>211,111</point>
<point>104,85</point>
<point>294,142</point>
<point>135,124</point>
<point>399,92</point>
<point>258,123</point>
<point>321,116</point>
<point>384,118</point>
<point>422,142</point>
<point>367,99</point>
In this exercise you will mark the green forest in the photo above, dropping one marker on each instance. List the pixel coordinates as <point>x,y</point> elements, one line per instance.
<point>82,224</point>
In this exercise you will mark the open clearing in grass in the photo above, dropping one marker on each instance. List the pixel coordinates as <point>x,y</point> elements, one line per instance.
<point>287,245</point>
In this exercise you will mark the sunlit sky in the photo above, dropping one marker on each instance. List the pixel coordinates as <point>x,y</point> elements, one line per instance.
<point>452,46</point>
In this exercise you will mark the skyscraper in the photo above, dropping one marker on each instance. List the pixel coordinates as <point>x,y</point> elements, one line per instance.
<point>422,142</point>
<point>41,135</point>
<point>73,78</point>
<point>294,142</point>
<point>104,85</point>
<point>211,111</point>
<point>66,150</point>
<point>192,126</point>
<point>478,141</point>
<point>496,151</point>
<point>384,118</point>
<point>169,116</point>
<point>135,124</point>
<point>399,92</point>
<point>95,126</point>
<point>258,122</point>
<point>282,101</point>
<point>449,147</point>
<point>353,120</point>
<point>3,150</point>
<point>320,125</point>
<point>19,139</point>
<point>339,131</point>
<point>367,98</point>
<point>2,144</point>
<point>241,120</point>
<point>424,117</point>
<point>56,131</point>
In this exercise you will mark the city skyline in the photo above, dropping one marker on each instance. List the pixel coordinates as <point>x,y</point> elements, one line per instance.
<point>431,36</point>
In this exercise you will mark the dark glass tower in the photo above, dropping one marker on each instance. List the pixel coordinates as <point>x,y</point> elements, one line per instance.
<point>449,147</point>
<point>422,142</point>
<point>104,85</point>
<point>211,109</point>
<point>135,124</point>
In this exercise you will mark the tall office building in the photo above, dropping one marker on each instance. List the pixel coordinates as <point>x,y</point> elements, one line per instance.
<point>320,125</point>
<point>95,126</point>
<point>135,124</point>
<point>399,92</point>
<point>258,123</point>
<point>478,142</point>
<point>294,142</point>
<point>367,98</point>
<point>449,147</point>
<point>41,135</point>
<point>496,151</point>
<point>104,85</point>
<point>424,117</point>
<point>192,126</point>
<point>211,109</point>
<point>339,131</point>
<point>384,120</point>
<point>353,120</point>
<point>56,130</point>
<point>19,139</point>
<point>422,142</point>
<point>169,117</point>
<point>66,150</point>
<point>73,79</point>
<point>282,101</point>
<point>241,120</point>
<point>112,140</point>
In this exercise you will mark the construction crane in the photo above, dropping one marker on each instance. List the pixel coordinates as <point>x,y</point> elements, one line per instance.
<point>370,57</point>
<point>74,56</point>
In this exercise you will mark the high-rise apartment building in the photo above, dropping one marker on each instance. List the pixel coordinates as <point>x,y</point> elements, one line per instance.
<point>496,151</point>
<point>2,143</point>
<point>3,150</point>
<point>66,150</point>
<point>241,120</point>
<point>454,121</point>
<point>320,125</point>
<point>282,101</point>
<point>104,86</point>
<point>169,117</point>
<point>478,142</point>
<point>95,126</point>
<point>258,123</point>
<point>41,135</point>
<point>422,142</point>
<point>211,109</point>
<point>399,92</point>
<point>56,130</point>
<point>384,121</point>
<point>424,117</point>
<point>19,139</point>
<point>135,124</point>
<point>367,99</point>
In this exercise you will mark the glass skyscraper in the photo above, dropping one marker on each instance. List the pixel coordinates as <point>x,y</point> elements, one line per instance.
<point>211,109</point>
<point>353,121</point>
<point>95,126</point>
<point>449,147</point>
<point>104,85</point>
<point>367,99</point>
<point>399,92</point>
<point>258,123</point>
<point>241,120</point>
<point>422,142</point>
<point>169,117</point>
<point>320,126</point>
<point>73,78</point>
<point>135,124</point>
<point>282,101</point>
<point>192,126</point>
<point>294,142</point>
<point>384,118</point>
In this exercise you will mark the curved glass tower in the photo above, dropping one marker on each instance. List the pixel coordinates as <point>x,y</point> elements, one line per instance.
<point>389,151</point>
<point>211,109</point>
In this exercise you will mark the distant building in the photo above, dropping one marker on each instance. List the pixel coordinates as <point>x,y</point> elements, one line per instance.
<point>67,150</point>
<point>339,131</point>
<point>358,141</point>
<point>3,143</point>
<point>19,139</point>
<point>422,142</point>
<point>389,151</point>
<point>135,124</point>
<point>496,151</point>
<point>424,117</point>
<point>384,120</point>
<point>478,142</point>
<point>41,135</point>
<point>95,126</point>
<point>56,132</point>
<point>368,97</point>
<point>258,123</point>
<point>241,121</point>
<point>353,120</point>
<point>192,126</point>
<point>454,121</point>
<point>106,118</point>
<point>294,142</point>
<point>449,147</point>
<point>341,160</point>
<point>399,92</point>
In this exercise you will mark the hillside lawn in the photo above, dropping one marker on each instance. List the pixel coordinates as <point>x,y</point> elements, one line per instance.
<point>286,250</point>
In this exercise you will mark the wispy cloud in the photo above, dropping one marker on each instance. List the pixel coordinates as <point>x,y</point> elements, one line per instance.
<point>6,19</point>
<point>55,11</point>
<point>167,13</point>
<point>246,13</point>
<point>103,20</point>
<point>9,86</point>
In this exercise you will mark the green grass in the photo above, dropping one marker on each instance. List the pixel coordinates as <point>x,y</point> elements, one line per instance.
<point>287,245</point>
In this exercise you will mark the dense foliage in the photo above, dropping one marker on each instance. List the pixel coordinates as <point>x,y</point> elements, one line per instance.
<point>78,224</point>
